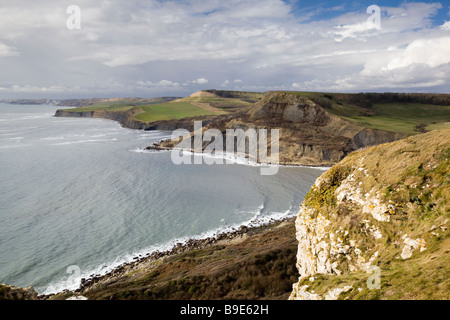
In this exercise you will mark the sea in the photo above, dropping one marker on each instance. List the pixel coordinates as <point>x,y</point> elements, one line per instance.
<point>81,196</point>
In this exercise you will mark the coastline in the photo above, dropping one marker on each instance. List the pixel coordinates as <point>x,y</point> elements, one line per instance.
<point>241,160</point>
<point>231,231</point>
<point>177,246</point>
<point>143,262</point>
<point>126,121</point>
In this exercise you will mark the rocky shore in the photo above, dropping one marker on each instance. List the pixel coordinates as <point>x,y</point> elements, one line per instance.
<point>143,263</point>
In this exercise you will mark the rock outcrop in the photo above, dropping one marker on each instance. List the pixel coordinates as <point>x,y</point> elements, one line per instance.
<point>309,135</point>
<point>377,207</point>
<point>8,292</point>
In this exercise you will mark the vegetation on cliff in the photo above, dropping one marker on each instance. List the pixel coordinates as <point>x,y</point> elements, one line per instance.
<point>409,113</point>
<point>387,207</point>
<point>316,128</point>
<point>148,111</point>
<point>257,263</point>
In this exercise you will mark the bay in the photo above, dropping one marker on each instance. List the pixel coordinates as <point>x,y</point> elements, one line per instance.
<point>79,196</point>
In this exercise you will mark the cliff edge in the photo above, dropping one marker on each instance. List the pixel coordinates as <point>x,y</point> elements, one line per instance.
<point>375,226</point>
<point>309,134</point>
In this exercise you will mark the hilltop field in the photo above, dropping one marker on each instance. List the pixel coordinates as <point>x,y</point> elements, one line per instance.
<point>202,103</point>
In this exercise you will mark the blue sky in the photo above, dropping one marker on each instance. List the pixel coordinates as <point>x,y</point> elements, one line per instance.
<point>152,48</point>
<point>325,10</point>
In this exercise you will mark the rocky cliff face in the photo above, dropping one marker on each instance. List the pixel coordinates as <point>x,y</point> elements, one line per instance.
<point>375,209</point>
<point>124,118</point>
<point>309,135</point>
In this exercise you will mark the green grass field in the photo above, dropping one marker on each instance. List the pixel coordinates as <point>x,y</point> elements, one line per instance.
<point>404,117</point>
<point>170,111</point>
<point>375,111</point>
<point>393,116</point>
<point>148,110</point>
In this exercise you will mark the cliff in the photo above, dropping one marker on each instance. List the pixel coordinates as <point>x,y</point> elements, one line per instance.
<point>309,134</point>
<point>127,120</point>
<point>375,226</point>
<point>248,263</point>
<point>124,118</point>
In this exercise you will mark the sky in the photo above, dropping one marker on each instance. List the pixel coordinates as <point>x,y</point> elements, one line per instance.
<point>155,48</point>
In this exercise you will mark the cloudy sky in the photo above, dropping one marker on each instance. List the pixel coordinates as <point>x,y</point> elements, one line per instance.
<point>151,48</point>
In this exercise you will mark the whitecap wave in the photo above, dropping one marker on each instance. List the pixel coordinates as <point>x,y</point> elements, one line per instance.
<point>257,220</point>
<point>233,158</point>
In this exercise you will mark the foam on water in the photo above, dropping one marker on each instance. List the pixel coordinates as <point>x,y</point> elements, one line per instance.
<point>73,281</point>
<point>96,205</point>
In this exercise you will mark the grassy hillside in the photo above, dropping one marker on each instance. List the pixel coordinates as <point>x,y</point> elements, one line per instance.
<point>171,111</point>
<point>203,103</point>
<point>121,104</point>
<point>388,206</point>
<point>258,265</point>
<point>404,113</point>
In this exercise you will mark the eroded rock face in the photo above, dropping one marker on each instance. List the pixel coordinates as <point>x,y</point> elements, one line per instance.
<point>301,293</point>
<point>324,250</point>
<point>378,205</point>
<point>410,245</point>
<point>327,241</point>
<point>291,108</point>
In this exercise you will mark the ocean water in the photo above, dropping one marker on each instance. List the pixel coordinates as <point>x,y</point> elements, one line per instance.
<point>79,196</point>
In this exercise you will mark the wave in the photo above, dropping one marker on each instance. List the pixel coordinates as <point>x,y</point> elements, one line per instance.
<point>53,138</point>
<point>31,116</point>
<point>258,219</point>
<point>83,141</point>
<point>232,158</point>
<point>15,146</point>
<point>141,150</point>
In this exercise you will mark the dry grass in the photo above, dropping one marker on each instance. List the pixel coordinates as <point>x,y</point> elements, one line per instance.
<point>414,175</point>
<point>261,266</point>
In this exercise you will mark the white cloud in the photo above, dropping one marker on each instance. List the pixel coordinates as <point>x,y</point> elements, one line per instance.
<point>7,51</point>
<point>159,84</point>
<point>446,26</point>
<point>38,89</point>
<point>431,52</point>
<point>199,42</point>
<point>200,81</point>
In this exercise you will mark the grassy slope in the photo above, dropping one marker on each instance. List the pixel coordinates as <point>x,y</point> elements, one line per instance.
<point>157,109</point>
<point>170,111</point>
<point>226,101</point>
<point>409,118</point>
<point>396,117</point>
<point>260,266</point>
<point>414,174</point>
<point>403,117</point>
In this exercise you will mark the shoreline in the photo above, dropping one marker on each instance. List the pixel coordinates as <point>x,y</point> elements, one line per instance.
<point>167,126</point>
<point>234,235</point>
<point>237,159</point>
<point>226,233</point>
<point>223,235</point>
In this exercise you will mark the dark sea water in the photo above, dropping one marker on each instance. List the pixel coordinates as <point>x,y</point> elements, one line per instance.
<point>79,197</point>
